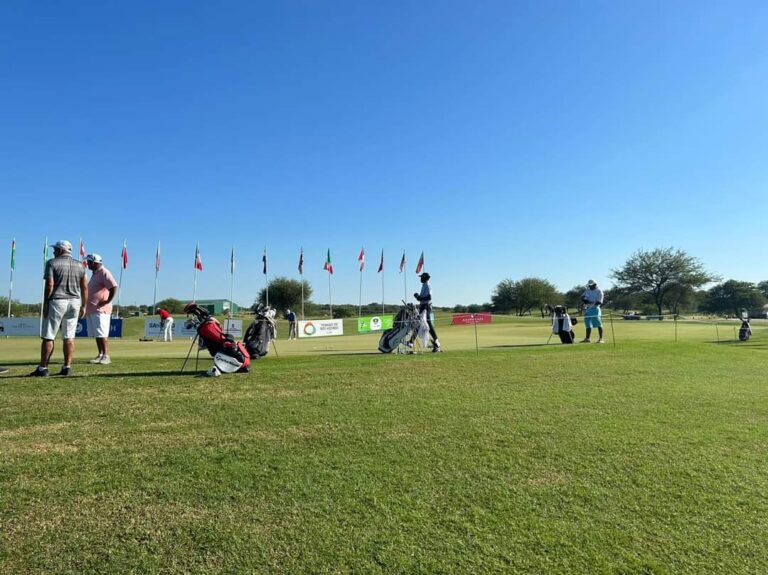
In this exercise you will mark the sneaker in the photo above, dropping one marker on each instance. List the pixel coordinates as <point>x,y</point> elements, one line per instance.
<point>601,340</point>
<point>586,340</point>
<point>66,371</point>
<point>96,359</point>
<point>437,349</point>
<point>105,360</point>
<point>39,372</point>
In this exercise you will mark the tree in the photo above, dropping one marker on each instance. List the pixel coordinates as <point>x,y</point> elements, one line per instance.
<point>763,287</point>
<point>733,296</point>
<point>284,294</point>
<point>170,305</point>
<point>572,298</point>
<point>523,295</point>
<point>664,273</point>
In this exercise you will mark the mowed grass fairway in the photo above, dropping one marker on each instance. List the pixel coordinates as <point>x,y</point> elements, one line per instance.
<point>647,457</point>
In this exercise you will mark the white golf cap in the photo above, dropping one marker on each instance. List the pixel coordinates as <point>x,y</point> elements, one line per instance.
<point>95,258</point>
<point>591,283</point>
<point>63,245</point>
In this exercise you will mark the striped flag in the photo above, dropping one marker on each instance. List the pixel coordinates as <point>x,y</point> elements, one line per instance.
<point>420,265</point>
<point>83,253</point>
<point>328,264</point>
<point>124,256</point>
<point>381,263</point>
<point>301,262</point>
<point>13,254</point>
<point>402,262</point>
<point>361,258</point>
<point>157,258</point>
<point>198,259</point>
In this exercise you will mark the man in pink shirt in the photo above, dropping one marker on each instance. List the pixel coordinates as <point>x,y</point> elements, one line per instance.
<point>101,291</point>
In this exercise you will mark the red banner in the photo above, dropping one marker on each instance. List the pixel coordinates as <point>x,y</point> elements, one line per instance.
<point>470,318</point>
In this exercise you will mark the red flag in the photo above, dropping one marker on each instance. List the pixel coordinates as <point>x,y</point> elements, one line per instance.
<point>124,256</point>
<point>381,263</point>
<point>361,258</point>
<point>420,265</point>
<point>328,265</point>
<point>83,253</point>
<point>301,262</point>
<point>402,262</point>
<point>198,259</point>
<point>157,258</point>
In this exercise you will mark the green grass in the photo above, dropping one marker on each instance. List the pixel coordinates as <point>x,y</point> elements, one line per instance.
<point>646,457</point>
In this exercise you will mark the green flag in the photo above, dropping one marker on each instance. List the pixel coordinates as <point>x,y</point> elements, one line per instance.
<point>13,254</point>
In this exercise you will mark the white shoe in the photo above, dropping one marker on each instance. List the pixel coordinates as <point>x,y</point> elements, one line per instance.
<point>586,340</point>
<point>96,359</point>
<point>105,360</point>
<point>601,340</point>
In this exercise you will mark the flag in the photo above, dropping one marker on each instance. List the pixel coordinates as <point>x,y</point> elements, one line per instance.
<point>13,254</point>
<point>83,253</point>
<point>264,261</point>
<point>124,256</point>
<point>232,262</point>
<point>198,259</point>
<point>402,262</point>
<point>420,265</point>
<point>328,265</point>
<point>157,258</point>
<point>361,258</point>
<point>45,252</point>
<point>381,263</point>
<point>301,262</point>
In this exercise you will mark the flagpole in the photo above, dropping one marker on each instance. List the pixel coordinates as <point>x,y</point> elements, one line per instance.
<point>13,264</point>
<point>360,297</point>
<point>302,296</point>
<point>42,300</point>
<point>154,296</point>
<point>330,299</point>
<point>382,292</point>
<point>266,276</point>
<point>231,288</point>
<point>194,285</point>
<point>120,281</point>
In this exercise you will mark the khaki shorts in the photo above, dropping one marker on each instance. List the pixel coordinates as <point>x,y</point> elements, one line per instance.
<point>98,325</point>
<point>61,313</point>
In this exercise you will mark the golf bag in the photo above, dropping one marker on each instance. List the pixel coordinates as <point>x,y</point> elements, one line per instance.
<point>406,321</point>
<point>228,355</point>
<point>562,324</point>
<point>745,331</point>
<point>262,330</point>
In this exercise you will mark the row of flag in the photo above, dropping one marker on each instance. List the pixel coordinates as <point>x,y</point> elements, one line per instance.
<point>328,266</point>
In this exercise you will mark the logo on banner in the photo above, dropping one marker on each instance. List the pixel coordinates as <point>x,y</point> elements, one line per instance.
<point>309,329</point>
<point>321,328</point>
<point>374,323</point>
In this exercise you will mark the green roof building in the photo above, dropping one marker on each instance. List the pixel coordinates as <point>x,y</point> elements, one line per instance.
<point>217,306</point>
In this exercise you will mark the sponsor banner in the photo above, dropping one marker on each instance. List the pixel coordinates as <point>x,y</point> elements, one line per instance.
<point>115,328</point>
<point>321,328</point>
<point>374,323</point>
<point>20,326</point>
<point>233,327</point>
<point>152,329</point>
<point>470,318</point>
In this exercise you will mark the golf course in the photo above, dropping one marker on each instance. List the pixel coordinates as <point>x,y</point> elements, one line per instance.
<point>503,454</point>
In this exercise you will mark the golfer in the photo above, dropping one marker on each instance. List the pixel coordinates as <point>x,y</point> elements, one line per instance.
<point>425,306</point>
<point>64,299</point>
<point>166,322</point>
<point>593,301</point>
<point>293,331</point>
<point>102,288</point>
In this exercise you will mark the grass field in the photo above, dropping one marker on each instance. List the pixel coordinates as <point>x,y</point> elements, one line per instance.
<point>650,456</point>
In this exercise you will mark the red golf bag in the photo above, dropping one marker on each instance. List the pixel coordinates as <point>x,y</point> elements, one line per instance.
<point>222,346</point>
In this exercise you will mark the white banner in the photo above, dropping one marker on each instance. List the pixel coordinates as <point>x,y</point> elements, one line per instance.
<point>20,326</point>
<point>233,327</point>
<point>321,328</point>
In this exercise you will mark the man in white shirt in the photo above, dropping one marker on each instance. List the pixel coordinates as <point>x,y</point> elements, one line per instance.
<point>593,301</point>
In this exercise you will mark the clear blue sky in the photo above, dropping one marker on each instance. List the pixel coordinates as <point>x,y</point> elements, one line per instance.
<point>504,139</point>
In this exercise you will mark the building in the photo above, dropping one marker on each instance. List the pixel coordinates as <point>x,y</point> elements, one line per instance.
<point>217,306</point>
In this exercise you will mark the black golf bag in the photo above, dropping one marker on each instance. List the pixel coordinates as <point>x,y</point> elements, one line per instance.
<point>562,324</point>
<point>228,354</point>
<point>745,331</point>
<point>406,321</point>
<point>261,332</point>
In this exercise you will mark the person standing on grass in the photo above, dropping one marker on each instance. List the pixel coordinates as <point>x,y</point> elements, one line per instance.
<point>293,331</point>
<point>593,302</point>
<point>425,307</point>
<point>64,299</point>
<point>102,288</point>
<point>166,322</point>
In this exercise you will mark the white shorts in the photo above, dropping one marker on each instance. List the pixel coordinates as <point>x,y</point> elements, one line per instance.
<point>98,325</point>
<point>61,313</point>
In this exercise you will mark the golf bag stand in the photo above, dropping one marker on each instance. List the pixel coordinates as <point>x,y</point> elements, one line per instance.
<point>228,355</point>
<point>261,332</point>
<point>745,331</point>
<point>562,324</point>
<point>406,321</point>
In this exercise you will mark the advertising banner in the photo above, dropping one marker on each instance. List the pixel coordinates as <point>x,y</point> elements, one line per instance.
<point>233,327</point>
<point>115,328</point>
<point>470,318</point>
<point>374,323</point>
<point>20,326</point>
<point>152,329</point>
<point>321,328</point>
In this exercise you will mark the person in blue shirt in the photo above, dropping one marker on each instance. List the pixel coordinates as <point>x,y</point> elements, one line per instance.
<point>425,306</point>
<point>293,332</point>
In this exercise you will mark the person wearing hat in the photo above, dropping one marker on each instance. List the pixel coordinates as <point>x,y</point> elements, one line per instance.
<point>293,332</point>
<point>166,322</point>
<point>102,288</point>
<point>64,298</point>
<point>593,301</point>
<point>425,306</point>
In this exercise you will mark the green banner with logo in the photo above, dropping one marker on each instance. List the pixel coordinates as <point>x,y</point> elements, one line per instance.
<point>374,323</point>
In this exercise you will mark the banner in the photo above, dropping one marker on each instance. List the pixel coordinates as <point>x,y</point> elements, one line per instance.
<point>374,323</point>
<point>321,328</point>
<point>152,329</point>
<point>115,328</point>
<point>20,326</point>
<point>470,318</point>
<point>233,327</point>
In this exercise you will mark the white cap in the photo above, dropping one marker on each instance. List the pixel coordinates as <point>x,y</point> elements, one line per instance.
<point>95,258</point>
<point>63,245</point>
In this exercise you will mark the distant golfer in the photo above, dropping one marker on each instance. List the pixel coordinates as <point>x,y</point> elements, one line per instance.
<point>64,299</point>
<point>425,307</point>
<point>166,322</point>
<point>102,288</point>
<point>593,302</point>
<point>293,330</point>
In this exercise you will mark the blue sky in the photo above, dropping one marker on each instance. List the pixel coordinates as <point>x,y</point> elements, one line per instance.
<point>504,139</point>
